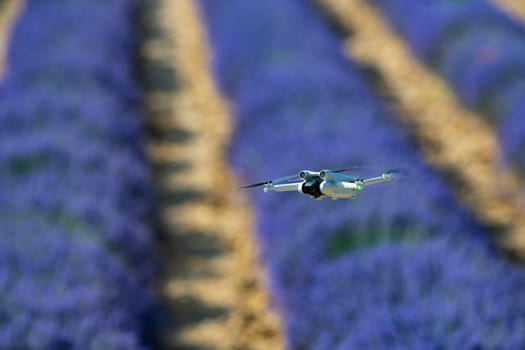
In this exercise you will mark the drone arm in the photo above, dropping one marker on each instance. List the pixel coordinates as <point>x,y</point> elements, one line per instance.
<point>375,180</point>
<point>289,187</point>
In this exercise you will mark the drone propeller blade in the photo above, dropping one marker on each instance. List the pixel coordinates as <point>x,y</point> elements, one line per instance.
<point>274,181</point>
<point>284,178</point>
<point>254,185</point>
<point>347,169</point>
<point>398,173</point>
<point>384,170</point>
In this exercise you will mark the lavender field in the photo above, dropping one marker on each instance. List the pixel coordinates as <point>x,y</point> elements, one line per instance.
<point>479,50</point>
<point>77,198</point>
<point>127,127</point>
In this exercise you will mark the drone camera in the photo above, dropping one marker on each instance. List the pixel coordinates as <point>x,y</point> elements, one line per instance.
<point>312,188</point>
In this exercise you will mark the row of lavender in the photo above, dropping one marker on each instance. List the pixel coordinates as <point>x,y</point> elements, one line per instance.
<point>76,259</point>
<point>401,267</point>
<point>479,50</point>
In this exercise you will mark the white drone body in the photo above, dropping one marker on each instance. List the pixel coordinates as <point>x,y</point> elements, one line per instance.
<point>324,183</point>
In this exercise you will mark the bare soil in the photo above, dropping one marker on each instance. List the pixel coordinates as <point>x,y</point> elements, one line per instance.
<point>213,288</point>
<point>514,8</point>
<point>9,11</point>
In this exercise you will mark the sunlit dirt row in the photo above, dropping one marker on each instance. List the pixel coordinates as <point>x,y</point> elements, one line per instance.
<point>515,8</point>
<point>453,138</point>
<point>9,10</point>
<point>213,289</point>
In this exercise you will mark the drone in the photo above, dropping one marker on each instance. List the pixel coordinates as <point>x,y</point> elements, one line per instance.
<point>333,184</point>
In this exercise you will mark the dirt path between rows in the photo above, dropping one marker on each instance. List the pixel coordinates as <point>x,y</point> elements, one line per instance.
<point>515,8</point>
<point>212,286</point>
<point>9,11</point>
<point>453,139</point>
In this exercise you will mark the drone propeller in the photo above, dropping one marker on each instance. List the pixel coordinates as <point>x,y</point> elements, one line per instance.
<point>387,171</point>
<point>274,181</point>
<point>346,169</point>
<point>254,185</point>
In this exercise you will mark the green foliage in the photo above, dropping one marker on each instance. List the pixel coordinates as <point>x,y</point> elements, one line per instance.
<point>348,240</point>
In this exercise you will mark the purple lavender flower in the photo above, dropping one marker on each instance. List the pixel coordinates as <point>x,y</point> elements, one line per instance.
<point>76,196</point>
